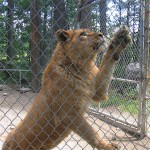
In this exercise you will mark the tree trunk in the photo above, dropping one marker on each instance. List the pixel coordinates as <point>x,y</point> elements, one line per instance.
<point>85,16</point>
<point>60,15</point>
<point>102,10</point>
<point>43,58</point>
<point>128,13</point>
<point>10,51</point>
<point>120,12</point>
<point>35,45</point>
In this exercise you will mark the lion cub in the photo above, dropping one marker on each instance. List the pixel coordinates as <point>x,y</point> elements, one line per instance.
<point>70,81</point>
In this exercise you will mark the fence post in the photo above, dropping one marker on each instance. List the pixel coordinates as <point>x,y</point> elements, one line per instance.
<point>146,56</point>
<point>144,64</point>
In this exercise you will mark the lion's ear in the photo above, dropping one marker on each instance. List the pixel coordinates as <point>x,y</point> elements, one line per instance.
<point>62,35</point>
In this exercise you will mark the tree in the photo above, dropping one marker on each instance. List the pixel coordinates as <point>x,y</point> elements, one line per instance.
<point>10,51</point>
<point>103,19</point>
<point>85,14</point>
<point>43,58</point>
<point>60,15</point>
<point>35,45</point>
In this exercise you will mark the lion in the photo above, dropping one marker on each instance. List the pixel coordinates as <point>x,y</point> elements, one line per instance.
<point>70,82</point>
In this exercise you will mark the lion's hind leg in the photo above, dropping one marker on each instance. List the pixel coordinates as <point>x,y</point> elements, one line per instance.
<point>84,130</point>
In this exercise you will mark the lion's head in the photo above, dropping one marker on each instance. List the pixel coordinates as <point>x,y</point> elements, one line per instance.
<point>81,43</point>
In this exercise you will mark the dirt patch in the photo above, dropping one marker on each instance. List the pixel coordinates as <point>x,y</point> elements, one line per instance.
<point>14,105</point>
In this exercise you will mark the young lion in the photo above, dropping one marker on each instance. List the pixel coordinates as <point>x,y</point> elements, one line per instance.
<point>70,81</point>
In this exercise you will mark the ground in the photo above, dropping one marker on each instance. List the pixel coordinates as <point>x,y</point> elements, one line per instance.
<point>14,106</point>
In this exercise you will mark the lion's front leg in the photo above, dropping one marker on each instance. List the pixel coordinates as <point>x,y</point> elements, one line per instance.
<point>118,43</point>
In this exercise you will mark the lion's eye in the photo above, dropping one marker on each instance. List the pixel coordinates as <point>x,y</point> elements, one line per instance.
<point>83,34</point>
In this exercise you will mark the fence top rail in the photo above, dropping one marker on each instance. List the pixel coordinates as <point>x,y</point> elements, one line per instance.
<point>13,70</point>
<point>125,80</point>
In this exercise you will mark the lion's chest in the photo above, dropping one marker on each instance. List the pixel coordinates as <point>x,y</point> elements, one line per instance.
<point>69,90</point>
<point>71,86</point>
<point>79,90</point>
<point>85,87</point>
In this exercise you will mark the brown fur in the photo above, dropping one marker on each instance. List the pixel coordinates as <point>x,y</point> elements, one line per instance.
<point>70,81</point>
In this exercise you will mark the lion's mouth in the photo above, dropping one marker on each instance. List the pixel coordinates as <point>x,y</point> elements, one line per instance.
<point>96,46</point>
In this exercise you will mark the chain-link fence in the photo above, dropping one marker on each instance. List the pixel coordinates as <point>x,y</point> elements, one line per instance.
<point>60,107</point>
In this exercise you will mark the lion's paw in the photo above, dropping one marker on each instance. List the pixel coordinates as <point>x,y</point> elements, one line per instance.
<point>113,146</point>
<point>121,39</point>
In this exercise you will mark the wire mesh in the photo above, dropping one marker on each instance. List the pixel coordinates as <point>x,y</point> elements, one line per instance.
<point>30,31</point>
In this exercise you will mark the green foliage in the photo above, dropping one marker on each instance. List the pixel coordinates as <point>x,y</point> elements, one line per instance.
<point>22,21</point>
<point>126,103</point>
<point>22,4</point>
<point>71,12</point>
<point>114,100</point>
<point>123,103</point>
<point>130,106</point>
<point>148,107</point>
<point>22,31</point>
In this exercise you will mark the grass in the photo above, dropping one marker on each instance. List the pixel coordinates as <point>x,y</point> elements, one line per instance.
<point>130,106</point>
<point>148,107</point>
<point>125,103</point>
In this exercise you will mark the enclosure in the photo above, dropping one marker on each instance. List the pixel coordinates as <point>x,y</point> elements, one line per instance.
<point>27,43</point>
